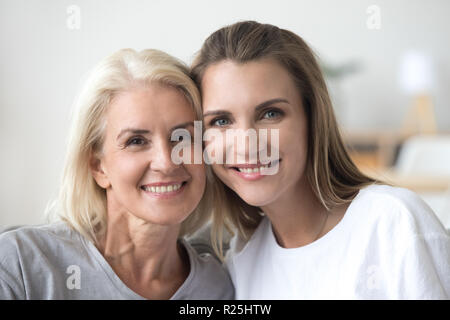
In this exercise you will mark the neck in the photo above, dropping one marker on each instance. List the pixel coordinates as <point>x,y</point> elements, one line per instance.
<point>146,257</point>
<point>297,216</point>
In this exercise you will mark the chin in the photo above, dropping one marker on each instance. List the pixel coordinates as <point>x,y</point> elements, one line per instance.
<point>165,217</point>
<point>255,199</point>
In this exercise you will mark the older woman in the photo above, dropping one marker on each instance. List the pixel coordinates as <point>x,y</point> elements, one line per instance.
<point>125,205</point>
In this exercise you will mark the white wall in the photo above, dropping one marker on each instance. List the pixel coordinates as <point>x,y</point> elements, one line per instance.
<point>43,62</point>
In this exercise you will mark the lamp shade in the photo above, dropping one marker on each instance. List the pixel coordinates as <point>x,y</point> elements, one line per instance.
<point>415,73</point>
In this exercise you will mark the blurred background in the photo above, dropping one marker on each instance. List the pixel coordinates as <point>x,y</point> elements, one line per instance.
<point>387,64</point>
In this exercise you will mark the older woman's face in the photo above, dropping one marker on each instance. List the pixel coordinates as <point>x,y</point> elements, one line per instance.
<point>136,167</point>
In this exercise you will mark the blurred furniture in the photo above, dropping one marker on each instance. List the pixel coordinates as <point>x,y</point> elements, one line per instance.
<point>423,165</point>
<point>420,117</point>
<point>425,155</point>
<point>380,148</point>
<point>373,148</point>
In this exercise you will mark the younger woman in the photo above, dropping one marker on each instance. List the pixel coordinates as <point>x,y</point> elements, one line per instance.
<point>318,228</point>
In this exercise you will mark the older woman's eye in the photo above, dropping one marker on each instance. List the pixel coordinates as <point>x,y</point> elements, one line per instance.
<point>136,141</point>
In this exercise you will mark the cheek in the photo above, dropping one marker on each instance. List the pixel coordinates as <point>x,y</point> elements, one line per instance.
<point>220,172</point>
<point>293,143</point>
<point>214,147</point>
<point>198,174</point>
<point>294,151</point>
<point>126,170</point>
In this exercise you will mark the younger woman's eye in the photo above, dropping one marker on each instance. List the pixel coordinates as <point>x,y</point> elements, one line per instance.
<point>220,122</point>
<point>272,114</point>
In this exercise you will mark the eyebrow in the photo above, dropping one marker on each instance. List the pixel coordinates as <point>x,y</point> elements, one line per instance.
<point>145,131</point>
<point>133,131</point>
<point>257,108</point>
<point>183,125</point>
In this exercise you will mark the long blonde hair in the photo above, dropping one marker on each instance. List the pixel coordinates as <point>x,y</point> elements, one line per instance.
<point>81,202</point>
<point>333,176</point>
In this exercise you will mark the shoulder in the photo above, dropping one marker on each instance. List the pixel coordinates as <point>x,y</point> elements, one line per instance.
<point>396,209</point>
<point>248,250</point>
<point>24,246</point>
<point>26,253</point>
<point>411,240</point>
<point>238,245</point>
<point>36,236</point>
<point>208,272</point>
<point>400,196</point>
<point>26,243</point>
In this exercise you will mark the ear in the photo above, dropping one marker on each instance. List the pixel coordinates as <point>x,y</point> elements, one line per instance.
<point>98,172</point>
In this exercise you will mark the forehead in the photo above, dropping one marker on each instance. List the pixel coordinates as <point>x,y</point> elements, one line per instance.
<point>229,83</point>
<point>149,106</point>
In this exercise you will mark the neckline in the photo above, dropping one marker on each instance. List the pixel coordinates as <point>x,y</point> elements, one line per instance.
<point>121,286</point>
<point>325,239</point>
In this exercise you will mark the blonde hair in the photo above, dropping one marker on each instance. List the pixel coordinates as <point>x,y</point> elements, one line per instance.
<point>333,176</point>
<point>81,201</point>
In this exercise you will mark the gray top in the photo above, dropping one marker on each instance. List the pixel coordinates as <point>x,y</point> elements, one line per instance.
<point>55,262</point>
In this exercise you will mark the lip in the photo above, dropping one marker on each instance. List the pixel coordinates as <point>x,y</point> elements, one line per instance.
<point>159,184</point>
<point>251,165</point>
<point>245,165</point>
<point>165,195</point>
<point>249,176</point>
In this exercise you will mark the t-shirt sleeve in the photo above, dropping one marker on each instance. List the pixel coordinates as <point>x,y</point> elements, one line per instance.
<point>425,262</point>
<point>6,292</point>
<point>427,267</point>
<point>11,284</point>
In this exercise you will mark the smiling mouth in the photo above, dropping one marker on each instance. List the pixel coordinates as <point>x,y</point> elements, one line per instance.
<point>254,168</point>
<point>163,188</point>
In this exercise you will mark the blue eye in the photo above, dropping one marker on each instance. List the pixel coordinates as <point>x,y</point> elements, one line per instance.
<point>271,114</point>
<point>220,122</point>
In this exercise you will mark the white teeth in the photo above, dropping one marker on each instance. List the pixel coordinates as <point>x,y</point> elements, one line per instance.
<point>163,189</point>
<point>252,170</point>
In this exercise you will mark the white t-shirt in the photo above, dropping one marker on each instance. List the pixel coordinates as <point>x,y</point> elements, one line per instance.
<point>388,245</point>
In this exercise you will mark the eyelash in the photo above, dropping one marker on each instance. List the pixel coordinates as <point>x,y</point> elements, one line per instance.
<point>213,122</point>
<point>130,141</point>
<point>277,111</point>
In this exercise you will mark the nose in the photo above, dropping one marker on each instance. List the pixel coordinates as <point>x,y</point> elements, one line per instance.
<point>161,157</point>
<point>242,144</point>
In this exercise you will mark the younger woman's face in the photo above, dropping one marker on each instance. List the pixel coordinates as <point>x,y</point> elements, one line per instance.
<point>135,166</point>
<point>256,95</point>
